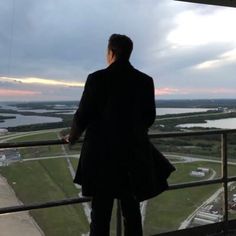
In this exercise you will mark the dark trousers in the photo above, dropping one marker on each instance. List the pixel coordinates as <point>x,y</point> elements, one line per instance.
<point>102,204</point>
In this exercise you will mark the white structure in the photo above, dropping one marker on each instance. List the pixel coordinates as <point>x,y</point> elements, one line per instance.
<point>200,221</point>
<point>209,216</point>
<point>197,173</point>
<point>205,170</point>
<point>2,159</point>
<point>3,131</point>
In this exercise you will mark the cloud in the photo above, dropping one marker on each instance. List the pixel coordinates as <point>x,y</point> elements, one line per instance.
<point>223,59</point>
<point>192,28</point>
<point>50,47</point>
<point>49,82</point>
<point>215,92</point>
<point>165,91</point>
<point>17,93</point>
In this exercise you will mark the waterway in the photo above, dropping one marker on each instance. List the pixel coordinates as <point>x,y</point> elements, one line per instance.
<point>227,123</point>
<point>67,110</point>
<point>170,111</point>
<point>26,120</point>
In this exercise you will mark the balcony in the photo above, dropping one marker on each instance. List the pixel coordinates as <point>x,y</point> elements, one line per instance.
<point>203,223</point>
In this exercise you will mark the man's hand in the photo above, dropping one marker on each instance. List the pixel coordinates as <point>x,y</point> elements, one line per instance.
<point>66,138</point>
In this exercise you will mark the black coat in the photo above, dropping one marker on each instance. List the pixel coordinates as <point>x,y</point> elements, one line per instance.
<point>116,109</point>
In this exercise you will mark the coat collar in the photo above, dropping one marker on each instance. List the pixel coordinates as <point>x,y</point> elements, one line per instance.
<point>118,64</point>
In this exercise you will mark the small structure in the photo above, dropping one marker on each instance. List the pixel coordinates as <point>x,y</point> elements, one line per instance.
<point>202,218</point>
<point>205,170</point>
<point>197,173</point>
<point>3,131</point>
<point>8,156</point>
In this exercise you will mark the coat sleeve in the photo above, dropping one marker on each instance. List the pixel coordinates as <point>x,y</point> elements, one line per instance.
<point>149,106</point>
<point>84,113</point>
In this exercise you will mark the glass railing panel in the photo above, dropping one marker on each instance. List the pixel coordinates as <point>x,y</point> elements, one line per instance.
<point>232,200</point>
<point>57,221</point>
<point>39,174</point>
<point>184,208</point>
<point>195,158</point>
<point>231,151</point>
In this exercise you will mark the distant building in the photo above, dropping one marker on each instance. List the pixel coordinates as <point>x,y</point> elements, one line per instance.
<point>8,156</point>
<point>205,170</point>
<point>3,131</point>
<point>197,173</point>
<point>202,218</point>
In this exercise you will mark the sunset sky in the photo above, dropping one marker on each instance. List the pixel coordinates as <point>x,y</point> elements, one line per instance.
<point>48,47</point>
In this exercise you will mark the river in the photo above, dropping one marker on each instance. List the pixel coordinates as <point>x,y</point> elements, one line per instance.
<point>227,123</point>
<point>26,120</point>
<point>34,119</point>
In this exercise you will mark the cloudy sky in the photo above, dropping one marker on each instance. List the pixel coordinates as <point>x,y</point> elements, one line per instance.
<point>48,47</point>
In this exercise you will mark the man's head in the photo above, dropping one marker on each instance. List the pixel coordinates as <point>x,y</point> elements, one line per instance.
<point>119,47</point>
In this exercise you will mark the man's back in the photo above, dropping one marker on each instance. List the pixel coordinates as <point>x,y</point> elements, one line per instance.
<point>123,99</point>
<point>116,109</point>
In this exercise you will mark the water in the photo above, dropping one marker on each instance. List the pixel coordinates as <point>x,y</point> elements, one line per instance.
<point>26,120</point>
<point>227,123</point>
<point>70,110</point>
<point>170,111</point>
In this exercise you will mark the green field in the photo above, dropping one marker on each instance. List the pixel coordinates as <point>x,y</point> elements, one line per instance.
<point>46,180</point>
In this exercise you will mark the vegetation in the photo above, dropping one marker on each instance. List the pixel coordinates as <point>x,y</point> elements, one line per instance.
<point>197,103</point>
<point>207,146</point>
<point>46,180</point>
<point>2,118</point>
<point>171,208</point>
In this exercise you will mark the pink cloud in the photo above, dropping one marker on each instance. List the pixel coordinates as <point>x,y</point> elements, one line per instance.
<point>15,93</point>
<point>165,91</point>
<point>209,90</point>
<point>185,91</point>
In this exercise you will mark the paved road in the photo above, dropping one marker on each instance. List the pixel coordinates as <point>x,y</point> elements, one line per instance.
<point>49,157</point>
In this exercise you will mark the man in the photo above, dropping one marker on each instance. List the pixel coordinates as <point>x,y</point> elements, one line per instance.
<point>116,109</point>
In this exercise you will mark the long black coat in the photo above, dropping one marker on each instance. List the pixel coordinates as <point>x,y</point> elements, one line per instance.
<point>116,109</point>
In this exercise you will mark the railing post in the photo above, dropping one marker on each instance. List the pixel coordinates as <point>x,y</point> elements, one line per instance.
<point>225,179</point>
<point>118,219</point>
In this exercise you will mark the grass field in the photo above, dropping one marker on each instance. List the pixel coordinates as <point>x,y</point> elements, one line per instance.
<point>45,180</point>
<point>167,211</point>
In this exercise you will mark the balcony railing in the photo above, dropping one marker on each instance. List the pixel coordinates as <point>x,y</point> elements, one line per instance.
<point>223,226</point>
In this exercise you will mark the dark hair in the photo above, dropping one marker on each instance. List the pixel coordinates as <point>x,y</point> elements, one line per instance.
<point>121,46</point>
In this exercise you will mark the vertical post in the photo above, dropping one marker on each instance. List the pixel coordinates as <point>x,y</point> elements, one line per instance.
<point>118,219</point>
<point>225,178</point>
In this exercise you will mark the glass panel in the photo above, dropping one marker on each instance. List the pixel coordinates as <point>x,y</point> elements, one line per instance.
<point>41,173</point>
<point>232,200</point>
<point>184,208</point>
<point>231,145</point>
<point>58,221</point>
<point>195,158</point>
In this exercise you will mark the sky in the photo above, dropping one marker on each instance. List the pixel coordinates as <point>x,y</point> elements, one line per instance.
<point>48,47</point>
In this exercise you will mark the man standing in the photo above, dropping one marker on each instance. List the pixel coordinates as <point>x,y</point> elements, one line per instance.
<point>116,109</point>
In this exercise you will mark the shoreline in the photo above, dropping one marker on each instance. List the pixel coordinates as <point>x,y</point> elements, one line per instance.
<point>21,223</point>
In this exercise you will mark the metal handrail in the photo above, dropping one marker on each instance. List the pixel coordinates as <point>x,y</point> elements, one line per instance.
<point>68,201</point>
<point>151,135</point>
<point>224,179</point>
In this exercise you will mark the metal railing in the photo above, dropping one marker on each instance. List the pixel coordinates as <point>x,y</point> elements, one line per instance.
<point>225,179</point>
